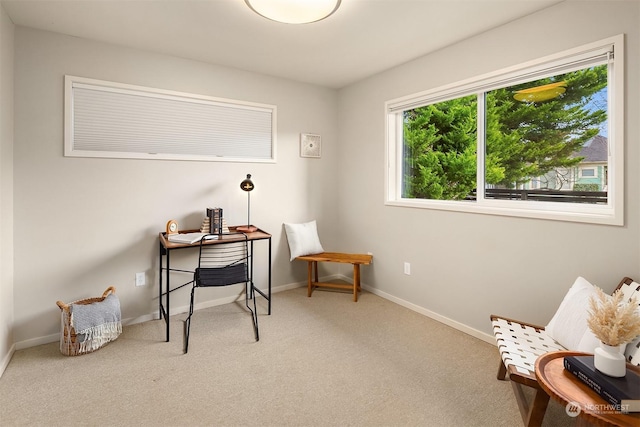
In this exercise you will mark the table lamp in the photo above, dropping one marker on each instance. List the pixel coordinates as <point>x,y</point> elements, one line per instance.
<point>247,185</point>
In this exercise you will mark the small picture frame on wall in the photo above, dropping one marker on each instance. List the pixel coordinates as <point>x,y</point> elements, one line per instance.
<point>310,145</point>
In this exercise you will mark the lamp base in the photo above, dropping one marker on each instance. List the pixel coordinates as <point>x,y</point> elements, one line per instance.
<point>246,228</point>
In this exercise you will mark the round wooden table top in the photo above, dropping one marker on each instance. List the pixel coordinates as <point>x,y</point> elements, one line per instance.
<point>564,387</point>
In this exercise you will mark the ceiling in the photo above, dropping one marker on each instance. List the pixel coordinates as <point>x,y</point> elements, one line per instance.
<point>362,38</point>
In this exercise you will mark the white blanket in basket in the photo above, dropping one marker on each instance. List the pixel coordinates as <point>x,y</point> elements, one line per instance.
<point>97,323</point>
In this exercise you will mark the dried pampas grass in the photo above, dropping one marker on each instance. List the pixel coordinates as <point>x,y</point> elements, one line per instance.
<point>612,320</point>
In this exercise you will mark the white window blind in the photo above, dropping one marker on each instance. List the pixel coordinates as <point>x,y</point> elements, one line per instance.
<point>105,119</point>
<point>600,54</point>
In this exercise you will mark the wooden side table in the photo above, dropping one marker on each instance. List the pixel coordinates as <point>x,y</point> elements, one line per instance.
<point>564,387</point>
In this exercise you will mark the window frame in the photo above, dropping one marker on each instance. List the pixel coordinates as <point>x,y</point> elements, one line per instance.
<point>228,132</point>
<point>610,214</point>
<point>591,169</point>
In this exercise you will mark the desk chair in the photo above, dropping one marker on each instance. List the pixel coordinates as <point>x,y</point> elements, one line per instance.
<point>222,265</point>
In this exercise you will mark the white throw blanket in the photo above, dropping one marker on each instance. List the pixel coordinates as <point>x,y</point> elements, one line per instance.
<point>97,323</point>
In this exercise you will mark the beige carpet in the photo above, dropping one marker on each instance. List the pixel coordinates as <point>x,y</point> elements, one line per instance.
<point>320,361</point>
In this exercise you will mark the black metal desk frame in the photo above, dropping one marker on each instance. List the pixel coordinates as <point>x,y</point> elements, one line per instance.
<point>165,250</point>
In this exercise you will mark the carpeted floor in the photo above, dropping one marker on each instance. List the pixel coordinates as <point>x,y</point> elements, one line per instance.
<point>320,361</point>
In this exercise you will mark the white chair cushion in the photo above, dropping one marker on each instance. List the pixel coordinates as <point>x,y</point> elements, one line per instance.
<point>569,324</point>
<point>632,351</point>
<point>520,345</point>
<point>303,239</point>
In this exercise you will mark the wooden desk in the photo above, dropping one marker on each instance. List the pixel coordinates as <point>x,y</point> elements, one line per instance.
<point>564,387</point>
<point>166,247</point>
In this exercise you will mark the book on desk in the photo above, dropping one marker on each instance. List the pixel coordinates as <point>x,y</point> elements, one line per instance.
<point>623,392</point>
<point>190,238</point>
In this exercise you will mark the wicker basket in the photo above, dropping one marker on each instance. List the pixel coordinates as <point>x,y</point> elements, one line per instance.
<point>69,343</point>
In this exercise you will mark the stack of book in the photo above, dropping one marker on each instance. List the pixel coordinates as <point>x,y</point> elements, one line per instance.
<point>622,393</point>
<point>215,220</point>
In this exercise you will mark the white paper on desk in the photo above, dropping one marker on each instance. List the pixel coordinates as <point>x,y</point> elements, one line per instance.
<point>187,237</point>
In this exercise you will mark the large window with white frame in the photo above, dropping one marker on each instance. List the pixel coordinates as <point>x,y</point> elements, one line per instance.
<point>515,142</point>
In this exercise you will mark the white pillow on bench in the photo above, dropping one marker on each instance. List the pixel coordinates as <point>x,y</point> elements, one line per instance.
<point>303,239</point>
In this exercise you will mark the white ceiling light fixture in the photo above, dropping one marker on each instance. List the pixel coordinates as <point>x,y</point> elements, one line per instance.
<point>294,11</point>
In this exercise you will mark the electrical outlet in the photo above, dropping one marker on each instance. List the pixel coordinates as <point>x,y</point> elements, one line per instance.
<point>407,269</point>
<point>140,279</point>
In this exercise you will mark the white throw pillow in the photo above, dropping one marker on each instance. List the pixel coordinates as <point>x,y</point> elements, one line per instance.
<point>569,325</point>
<point>303,239</point>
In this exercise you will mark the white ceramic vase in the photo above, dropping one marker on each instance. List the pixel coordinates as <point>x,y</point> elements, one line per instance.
<point>609,360</point>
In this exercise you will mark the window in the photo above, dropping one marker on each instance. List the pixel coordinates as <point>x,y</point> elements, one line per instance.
<point>105,119</point>
<point>517,142</point>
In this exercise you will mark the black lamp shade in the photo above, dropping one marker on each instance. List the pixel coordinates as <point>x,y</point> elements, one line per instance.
<point>247,184</point>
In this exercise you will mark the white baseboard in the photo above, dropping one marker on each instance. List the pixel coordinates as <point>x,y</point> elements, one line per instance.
<point>21,345</point>
<point>433,315</point>
<point>47,339</point>
<point>425,312</point>
<point>7,359</point>
<point>220,301</point>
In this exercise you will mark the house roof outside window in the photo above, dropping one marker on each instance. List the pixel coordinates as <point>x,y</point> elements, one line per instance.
<point>596,150</point>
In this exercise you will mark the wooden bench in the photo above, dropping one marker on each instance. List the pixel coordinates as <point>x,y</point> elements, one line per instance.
<point>355,259</point>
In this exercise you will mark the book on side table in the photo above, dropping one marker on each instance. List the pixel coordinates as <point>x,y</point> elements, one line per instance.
<point>623,392</point>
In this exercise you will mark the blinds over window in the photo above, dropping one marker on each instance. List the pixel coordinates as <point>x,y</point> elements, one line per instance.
<point>597,55</point>
<point>105,119</point>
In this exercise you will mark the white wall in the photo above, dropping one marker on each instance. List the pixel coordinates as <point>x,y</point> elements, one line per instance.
<point>82,225</point>
<point>466,266</point>
<point>6,189</point>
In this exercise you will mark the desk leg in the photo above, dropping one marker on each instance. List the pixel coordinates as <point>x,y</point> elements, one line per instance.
<point>266,295</point>
<point>160,316</point>
<point>251,264</point>
<point>269,312</point>
<point>168,294</point>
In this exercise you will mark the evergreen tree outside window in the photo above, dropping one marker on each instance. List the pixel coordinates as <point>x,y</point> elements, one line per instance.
<point>513,143</point>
